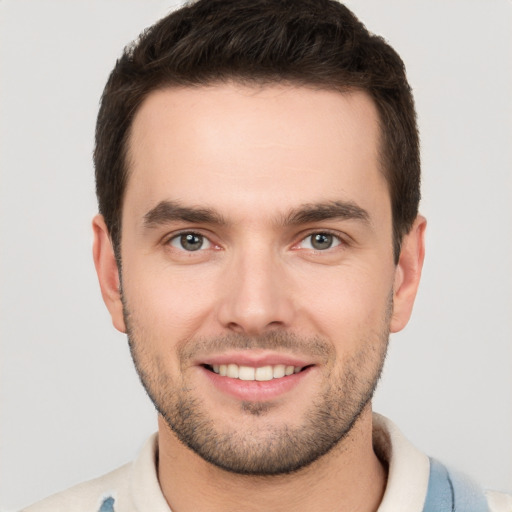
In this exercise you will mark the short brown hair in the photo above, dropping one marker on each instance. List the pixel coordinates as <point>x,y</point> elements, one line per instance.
<point>316,43</point>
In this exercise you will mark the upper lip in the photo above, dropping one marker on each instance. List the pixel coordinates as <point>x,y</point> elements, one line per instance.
<point>254,359</point>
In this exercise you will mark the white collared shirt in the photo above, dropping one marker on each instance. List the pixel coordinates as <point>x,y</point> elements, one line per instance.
<point>134,487</point>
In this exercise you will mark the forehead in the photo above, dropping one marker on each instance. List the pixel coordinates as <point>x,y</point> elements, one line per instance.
<point>228,144</point>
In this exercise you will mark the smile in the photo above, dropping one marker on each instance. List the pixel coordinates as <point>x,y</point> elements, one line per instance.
<point>248,373</point>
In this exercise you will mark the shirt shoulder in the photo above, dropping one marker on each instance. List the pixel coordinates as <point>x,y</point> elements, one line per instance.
<point>129,488</point>
<point>409,473</point>
<point>98,495</point>
<point>499,502</point>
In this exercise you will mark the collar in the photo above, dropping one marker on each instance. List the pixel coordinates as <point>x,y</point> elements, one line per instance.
<point>406,488</point>
<point>408,468</point>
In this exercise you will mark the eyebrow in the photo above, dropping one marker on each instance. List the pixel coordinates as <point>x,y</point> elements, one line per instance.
<point>172,211</point>
<point>345,210</point>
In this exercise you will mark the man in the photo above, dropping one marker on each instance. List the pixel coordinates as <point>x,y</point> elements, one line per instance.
<point>258,181</point>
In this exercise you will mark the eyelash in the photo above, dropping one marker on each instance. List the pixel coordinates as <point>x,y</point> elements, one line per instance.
<point>337,240</point>
<point>178,236</point>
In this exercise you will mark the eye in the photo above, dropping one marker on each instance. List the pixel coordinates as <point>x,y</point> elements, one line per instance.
<point>190,242</point>
<point>320,241</point>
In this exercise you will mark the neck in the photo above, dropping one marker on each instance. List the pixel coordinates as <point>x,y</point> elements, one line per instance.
<point>349,477</point>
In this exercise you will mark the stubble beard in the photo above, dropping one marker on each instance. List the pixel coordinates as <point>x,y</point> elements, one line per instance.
<point>265,450</point>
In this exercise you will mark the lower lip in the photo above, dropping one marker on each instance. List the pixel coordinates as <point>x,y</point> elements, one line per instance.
<point>253,390</point>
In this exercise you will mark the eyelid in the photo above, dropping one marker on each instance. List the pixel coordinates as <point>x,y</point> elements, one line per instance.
<point>342,240</point>
<point>176,235</point>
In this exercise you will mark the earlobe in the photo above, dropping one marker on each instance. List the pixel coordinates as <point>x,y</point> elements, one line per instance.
<point>408,273</point>
<point>108,272</point>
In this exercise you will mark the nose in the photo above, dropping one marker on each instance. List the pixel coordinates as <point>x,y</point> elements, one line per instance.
<point>256,295</point>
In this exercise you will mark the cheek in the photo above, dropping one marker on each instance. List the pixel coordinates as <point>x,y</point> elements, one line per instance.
<point>346,300</point>
<point>170,305</point>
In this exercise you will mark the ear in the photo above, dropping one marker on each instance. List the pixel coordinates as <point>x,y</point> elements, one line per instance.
<point>408,273</point>
<point>108,273</point>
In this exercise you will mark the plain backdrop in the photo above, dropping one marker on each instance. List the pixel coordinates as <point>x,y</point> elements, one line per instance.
<point>71,404</point>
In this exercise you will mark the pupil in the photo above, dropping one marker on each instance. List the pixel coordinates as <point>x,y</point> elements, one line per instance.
<point>191,242</point>
<point>322,241</point>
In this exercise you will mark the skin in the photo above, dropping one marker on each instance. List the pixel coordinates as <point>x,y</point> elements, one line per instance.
<point>252,156</point>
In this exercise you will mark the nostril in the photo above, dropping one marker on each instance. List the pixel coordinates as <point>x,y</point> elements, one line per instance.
<point>254,328</point>
<point>232,326</point>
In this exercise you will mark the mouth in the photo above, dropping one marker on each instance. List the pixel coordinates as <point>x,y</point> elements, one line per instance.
<point>256,376</point>
<point>250,373</point>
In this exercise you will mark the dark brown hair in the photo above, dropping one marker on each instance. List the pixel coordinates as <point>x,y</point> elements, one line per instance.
<point>315,43</point>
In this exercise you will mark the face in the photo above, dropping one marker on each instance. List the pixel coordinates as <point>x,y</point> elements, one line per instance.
<point>258,282</point>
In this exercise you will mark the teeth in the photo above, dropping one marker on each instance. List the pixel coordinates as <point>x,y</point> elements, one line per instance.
<point>246,373</point>
<point>261,373</point>
<point>232,371</point>
<point>279,371</point>
<point>264,373</point>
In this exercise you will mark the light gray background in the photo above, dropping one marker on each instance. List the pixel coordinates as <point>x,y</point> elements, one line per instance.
<point>71,404</point>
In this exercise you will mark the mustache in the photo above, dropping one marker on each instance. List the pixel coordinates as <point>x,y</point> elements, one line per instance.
<point>276,341</point>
